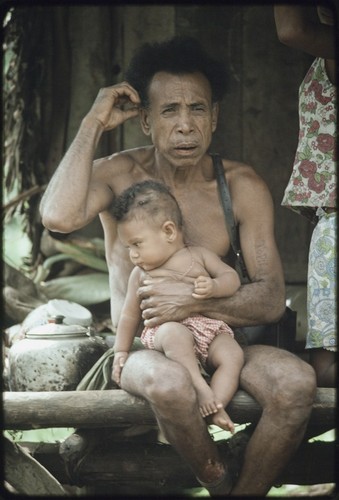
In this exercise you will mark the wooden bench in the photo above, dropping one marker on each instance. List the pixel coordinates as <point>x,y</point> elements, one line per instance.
<point>115,447</point>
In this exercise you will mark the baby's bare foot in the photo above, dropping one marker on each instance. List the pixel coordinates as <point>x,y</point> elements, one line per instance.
<point>222,419</point>
<point>207,403</point>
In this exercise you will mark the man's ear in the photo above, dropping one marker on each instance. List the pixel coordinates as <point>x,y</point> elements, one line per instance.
<point>215,114</point>
<point>144,121</point>
<point>170,230</point>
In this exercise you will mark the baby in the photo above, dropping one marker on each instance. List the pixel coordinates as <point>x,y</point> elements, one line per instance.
<point>150,226</point>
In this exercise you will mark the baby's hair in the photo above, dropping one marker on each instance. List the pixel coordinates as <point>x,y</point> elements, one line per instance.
<point>149,199</point>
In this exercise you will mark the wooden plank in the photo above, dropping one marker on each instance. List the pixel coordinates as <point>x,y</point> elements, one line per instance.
<point>28,410</point>
<point>114,408</point>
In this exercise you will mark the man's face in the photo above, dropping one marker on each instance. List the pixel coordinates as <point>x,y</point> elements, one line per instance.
<point>181,117</point>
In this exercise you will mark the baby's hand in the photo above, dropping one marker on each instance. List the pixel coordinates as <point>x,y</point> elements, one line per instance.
<point>118,364</point>
<point>203,287</point>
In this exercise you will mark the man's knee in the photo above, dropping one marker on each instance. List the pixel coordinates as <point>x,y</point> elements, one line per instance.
<point>169,385</point>
<point>296,389</point>
<point>278,379</point>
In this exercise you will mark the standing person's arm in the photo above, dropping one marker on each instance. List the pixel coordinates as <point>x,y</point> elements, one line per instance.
<point>128,325</point>
<point>78,191</point>
<point>299,29</point>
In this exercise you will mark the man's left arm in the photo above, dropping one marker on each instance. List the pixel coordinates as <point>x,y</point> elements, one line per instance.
<point>263,299</point>
<point>259,302</point>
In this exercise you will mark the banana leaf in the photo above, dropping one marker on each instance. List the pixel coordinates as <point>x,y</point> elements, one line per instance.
<point>94,245</point>
<point>43,270</point>
<point>84,289</point>
<point>84,256</point>
<point>90,253</point>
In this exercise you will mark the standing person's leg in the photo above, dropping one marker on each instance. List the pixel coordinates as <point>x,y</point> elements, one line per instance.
<point>325,364</point>
<point>226,357</point>
<point>285,387</point>
<point>321,339</point>
<point>177,343</point>
<point>167,386</point>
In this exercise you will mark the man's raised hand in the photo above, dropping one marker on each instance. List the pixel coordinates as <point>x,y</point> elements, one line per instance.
<point>114,105</point>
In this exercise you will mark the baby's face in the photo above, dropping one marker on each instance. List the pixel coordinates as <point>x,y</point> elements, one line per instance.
<point>146,242</point>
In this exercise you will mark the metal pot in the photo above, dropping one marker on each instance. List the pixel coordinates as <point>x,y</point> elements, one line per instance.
<point>53,357</point>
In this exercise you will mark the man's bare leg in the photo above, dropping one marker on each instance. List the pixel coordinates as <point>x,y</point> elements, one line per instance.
<point>167,386</point>
<point>285,387</point>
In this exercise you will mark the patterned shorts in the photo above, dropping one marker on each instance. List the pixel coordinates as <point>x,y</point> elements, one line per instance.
<point>204,330</point>
<point>321,287</point>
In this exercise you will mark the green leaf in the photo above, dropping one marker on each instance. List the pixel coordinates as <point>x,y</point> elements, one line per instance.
<point>85,289</point>
<point>83,255</point>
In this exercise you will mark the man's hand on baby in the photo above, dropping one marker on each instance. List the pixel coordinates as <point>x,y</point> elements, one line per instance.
<point>165,299</point>
<point>118,364</point>
<point>203,287</point>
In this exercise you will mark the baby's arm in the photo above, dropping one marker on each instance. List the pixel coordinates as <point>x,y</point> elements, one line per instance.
<point>224,280</point>
<point>128,325</point>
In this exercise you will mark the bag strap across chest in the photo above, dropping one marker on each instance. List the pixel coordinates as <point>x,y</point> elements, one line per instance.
<point>232,228</point>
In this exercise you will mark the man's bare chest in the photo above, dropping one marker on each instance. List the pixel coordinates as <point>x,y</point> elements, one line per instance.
<point>204,222</point>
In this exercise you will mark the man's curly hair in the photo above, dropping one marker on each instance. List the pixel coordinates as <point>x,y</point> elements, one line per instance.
<point>177,56</point>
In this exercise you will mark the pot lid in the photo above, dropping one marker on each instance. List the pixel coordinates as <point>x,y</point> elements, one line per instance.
<point>74,314</point>
<point>55,330</point>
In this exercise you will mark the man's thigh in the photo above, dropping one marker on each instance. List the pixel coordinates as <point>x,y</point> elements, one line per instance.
<point>269,370</point>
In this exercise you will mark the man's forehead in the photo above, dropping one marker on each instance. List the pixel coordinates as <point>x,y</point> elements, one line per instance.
<point>165,85</point>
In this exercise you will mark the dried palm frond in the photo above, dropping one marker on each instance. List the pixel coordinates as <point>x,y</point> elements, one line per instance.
<point>23,75</point>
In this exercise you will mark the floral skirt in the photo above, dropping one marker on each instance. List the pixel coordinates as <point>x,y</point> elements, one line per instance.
<point>321,287</point>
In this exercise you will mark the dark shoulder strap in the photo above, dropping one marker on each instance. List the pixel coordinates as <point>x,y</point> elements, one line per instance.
<point>226,203</point>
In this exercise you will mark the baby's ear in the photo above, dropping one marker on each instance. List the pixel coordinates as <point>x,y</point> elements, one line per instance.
<point>170,230</point>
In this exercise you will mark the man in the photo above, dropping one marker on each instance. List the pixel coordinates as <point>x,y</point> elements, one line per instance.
<point>175,88</point>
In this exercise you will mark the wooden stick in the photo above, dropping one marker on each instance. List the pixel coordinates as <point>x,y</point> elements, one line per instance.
<point>22,196</point>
